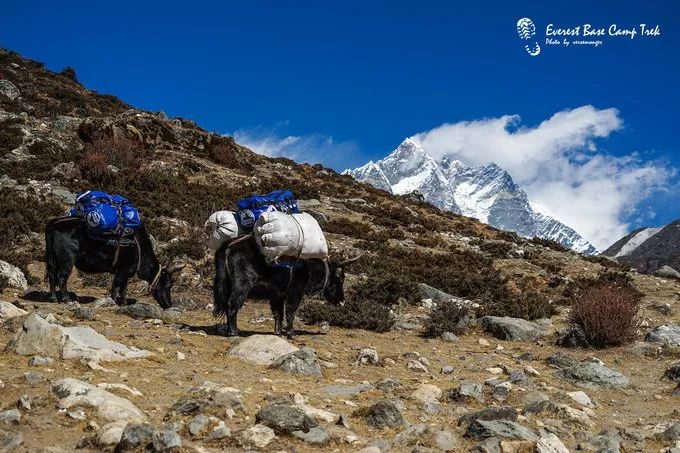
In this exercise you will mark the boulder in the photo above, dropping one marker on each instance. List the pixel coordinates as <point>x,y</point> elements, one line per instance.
<point>166,441</point>
<point>388,384</point>
<point>74,393</point>
<point>425,393</point>
<point>490,413</point>
<point>302,361</point>
<point>316,436</point>
<point>258,436</point>
<point>136,436</point>
<point>384,414</point>
<point>512,329</point>
<point>10,417</point>
<point>8,311</point>
<point>207,398</point>
<point>466,391</point>
<point>367,356</point>
<point>673,372</point>
<point>411,435</point>
<point>436,295</point>
<point>668,335</point>
<point>550,443</point>
<point>503,429</point>
<point>668,272</point>
<point>15,278</point>
<point>593,375</point>
<point>9,90</point>
<point>10,441</point>
<point>262,349</point>
<point>285,419</point>
<point>446,440</point>
<point>142,310</point>
<point>40,336</point>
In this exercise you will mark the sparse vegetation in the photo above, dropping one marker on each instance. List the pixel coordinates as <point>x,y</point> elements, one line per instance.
<point>607,314</point>
<point>355,314</point>
<point>552,245</point>
<point>446,317</point>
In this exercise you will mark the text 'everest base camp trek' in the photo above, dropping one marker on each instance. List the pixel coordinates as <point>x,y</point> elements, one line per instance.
<point>422,329</point>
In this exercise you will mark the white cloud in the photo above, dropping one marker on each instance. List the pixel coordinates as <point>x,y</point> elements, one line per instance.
<point>312,148</point>
<point>560,166</point>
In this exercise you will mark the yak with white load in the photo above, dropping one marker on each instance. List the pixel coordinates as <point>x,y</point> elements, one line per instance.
<point>280,255</point>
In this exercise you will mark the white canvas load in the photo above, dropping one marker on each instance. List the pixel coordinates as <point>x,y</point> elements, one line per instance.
<point>293,235</point>
<point>220,227</point>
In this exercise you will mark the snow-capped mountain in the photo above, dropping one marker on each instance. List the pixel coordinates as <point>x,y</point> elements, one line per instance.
<point>487,193</point>
<point>648,249</point>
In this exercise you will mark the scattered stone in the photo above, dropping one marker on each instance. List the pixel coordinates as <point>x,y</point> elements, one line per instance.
<point>184,303</point>
<point>605,444</point>
<point>512,329</point>
<point>446,440</point>
<point>668,335</point>
<point>258,436</point>
<point>33,378</point>
<point>165,440</point>
<point>572,337</point>
<point>519,377</point>
<point>84,313</point>
<point>385,414</point>
<point>490,445</point>
<point>504,429</point>
<point>37,360</point>
<point>411,435</point>
<point>198,425</point>
<point>8,311</point>
<point>302,361</point>
<point>449,337</point>
<point>673,373</point>
<point>490,413</point>
<point>10,441</point>
<point>12,274</point>
<point>501,391</point>
<point>448,369</point>
<point>483,342</point>
<point>425,393</point>
<point>550,443</point>
<point>208,398</point>
<point>262,349</point>
<point>74,393</point>
<point>668,272</point>
<point>181,356</point>
<point>562,360</point>
<point>345,390</point>
<point>285,419</point>
<point>581,398</point>
<point>388,384</point>
<point>417,366</point>
<point>672,432</point>
<point>539,406</point>
<point>315,436</point>
<point>368,356</point>
<point>9,90</point>
<point>136,436</point>
<point>317,414</point>
<point>663,308</point>
<point>141,310</point>
<point>593,375</point>
<point>39,336</point>
<point>10,417</point>
<point>103,302</point>
<point>466,391</point>
<point>531,371</point>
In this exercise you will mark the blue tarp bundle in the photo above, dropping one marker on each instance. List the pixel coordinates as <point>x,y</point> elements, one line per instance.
<point>106,215</point>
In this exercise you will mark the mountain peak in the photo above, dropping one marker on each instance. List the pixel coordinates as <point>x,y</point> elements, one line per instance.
<point>487,193</point>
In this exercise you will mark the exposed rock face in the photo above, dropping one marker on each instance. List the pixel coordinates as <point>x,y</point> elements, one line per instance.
<point>8,311</point>
<point>512,329</point>
<point>262,349</point>
<point>74,393</point>
<point>15,278</point>
<point>40,336</point>
<point>593,375</point>
<point>668,334</point>
<point>486,193</point>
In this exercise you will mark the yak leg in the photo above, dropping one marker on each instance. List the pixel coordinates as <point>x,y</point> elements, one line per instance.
<point>63,273</point>
<point>119,288</point>
<point>52,279</point>
<point>292,304</point>
<point>277,310</point>
<point>236,301</point>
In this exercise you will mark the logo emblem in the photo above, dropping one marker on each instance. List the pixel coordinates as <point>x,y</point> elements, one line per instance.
<point>93,218</point>
<point>526,31</point>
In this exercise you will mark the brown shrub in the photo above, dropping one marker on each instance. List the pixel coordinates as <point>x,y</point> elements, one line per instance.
<point>192,248</point>
<point>387,290</point>
<point>607,314</point>
<point>355,314</point>
<point>552,245</point>
<point>495,249</point>
<point>347,227</point>
<point>528,305</point>
<point>446,317</point>
<point>124,154</point>
<point>224,154</point>
<point>94,166</point>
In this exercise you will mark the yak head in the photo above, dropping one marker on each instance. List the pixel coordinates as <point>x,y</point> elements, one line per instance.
<point>161,289</point>
<point>334,291</point>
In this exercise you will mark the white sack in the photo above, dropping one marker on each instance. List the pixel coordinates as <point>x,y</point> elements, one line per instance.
<point>220,227</point>
<point>279,234</point>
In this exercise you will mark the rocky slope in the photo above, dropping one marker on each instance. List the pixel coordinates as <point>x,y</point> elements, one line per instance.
<point>649,249</point>
<point>486,193</point>
<point>95,377</point>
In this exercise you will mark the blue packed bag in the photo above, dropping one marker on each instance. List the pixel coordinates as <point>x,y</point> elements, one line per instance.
<point>106,216</point>
<point>249,209</point>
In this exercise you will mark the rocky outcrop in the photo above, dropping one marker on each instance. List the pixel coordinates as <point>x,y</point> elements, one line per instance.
<point>13,276</point>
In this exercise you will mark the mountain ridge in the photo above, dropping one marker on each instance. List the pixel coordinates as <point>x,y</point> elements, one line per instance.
<point>487,193</point>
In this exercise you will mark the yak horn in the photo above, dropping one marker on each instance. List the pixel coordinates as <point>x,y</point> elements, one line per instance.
<point>349,261</point>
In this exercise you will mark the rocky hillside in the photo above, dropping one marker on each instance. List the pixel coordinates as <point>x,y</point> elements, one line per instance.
<point>447,342</point>
<point>486,193</point>
<point>649,249</point>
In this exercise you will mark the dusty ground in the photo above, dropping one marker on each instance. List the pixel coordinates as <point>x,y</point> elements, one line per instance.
<point>162,379</point>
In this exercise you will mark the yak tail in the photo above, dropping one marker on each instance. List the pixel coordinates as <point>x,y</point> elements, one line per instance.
<point>222,283</point>
<point>50,258</point>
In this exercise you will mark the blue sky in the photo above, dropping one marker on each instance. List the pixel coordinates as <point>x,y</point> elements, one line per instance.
<point>350,80</point>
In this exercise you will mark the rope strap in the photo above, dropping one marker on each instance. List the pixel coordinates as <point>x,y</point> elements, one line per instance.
<point>154,282</point>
